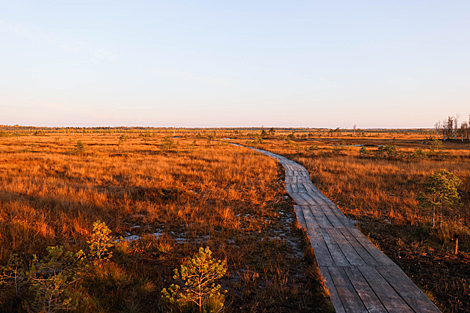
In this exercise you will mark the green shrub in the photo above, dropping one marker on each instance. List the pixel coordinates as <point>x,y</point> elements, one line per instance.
<point>389,151</point>
<point>167,143</point>
<point>312,147</point>
<point>196,284</point>
<point>79,147</point>
<point>53,284</point>
<point>258,140</point>
<point>100,242</point>
<point>39,133</point>
<point>436,146</point>
<point>12,275</point>
<point>211,137</point>
<point>51,280</point>
<point>437,149</point>
<point>440,194</point>
<point>419,154</point>
<point>363,151</point>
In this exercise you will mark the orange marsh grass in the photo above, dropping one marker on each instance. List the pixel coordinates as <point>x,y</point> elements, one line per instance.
<point>197,193</point>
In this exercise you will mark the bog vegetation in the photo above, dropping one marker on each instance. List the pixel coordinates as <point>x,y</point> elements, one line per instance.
<point>169,192</point>
<point>96,220</point>
<point>409,192</point>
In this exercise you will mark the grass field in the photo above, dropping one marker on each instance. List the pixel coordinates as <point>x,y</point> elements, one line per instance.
<point>166,197</point>
<point>380,191</point>
<point>169,192</point>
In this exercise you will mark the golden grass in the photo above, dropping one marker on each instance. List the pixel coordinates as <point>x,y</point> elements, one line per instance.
<point>381,194</point>
<point>379,186</point>
<point>197,193</point>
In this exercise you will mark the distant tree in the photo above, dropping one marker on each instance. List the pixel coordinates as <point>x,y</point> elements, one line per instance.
<point>467,130</point>
<point>437,127</point>
<point>448,128</point>
<point>440,194</point>
<point>456,127</point>
<point>464,130</point>
<point>272,131</point>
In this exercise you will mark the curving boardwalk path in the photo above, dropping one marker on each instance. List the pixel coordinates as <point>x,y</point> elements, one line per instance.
<point>358,276</point>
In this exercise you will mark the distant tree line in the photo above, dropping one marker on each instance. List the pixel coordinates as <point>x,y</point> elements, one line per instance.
<point>449,129</point>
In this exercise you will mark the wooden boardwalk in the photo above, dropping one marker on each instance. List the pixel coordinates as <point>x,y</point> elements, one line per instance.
<point>358,276</point>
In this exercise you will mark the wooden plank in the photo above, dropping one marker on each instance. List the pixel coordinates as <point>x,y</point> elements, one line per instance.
<point>381,258</point>
<point>348,251</point>
<point>318,198</point>
<point>320,217</point>
<point>324,198</point>
<point>316,189</point>
<point>359,248</point>
<point>330,286</point>
<point>348,295</point>
<point>412,295</point>
<point>310,220</point>
<point>288,188</point>
<point>301,188</point>
<point>307,198</point>
<point>310,199</point>
<point>311,187</point>
<point>336,209</point>
<point>336,254</point>
<point>308,187</point>
<point>300,216</point>
<point>340,215</point>
<point>331,216</point>
<point>367,295</point>
<point>298,199</point>
<point>322,254</point>
<point>387,295</point>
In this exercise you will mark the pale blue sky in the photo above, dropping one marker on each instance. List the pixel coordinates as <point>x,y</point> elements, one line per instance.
<point>238,63</point>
